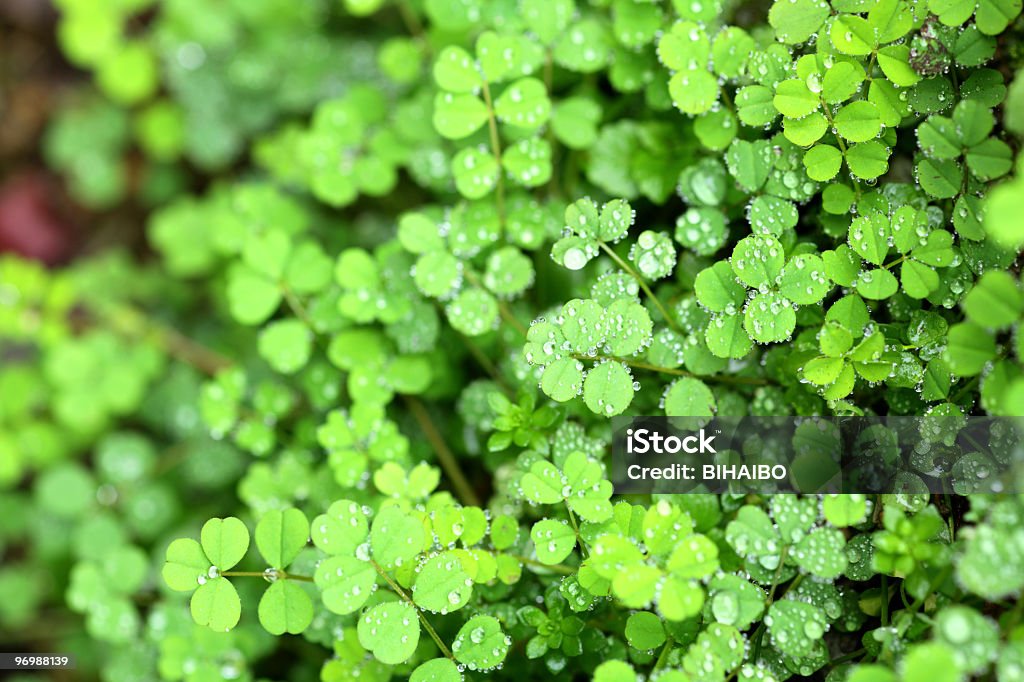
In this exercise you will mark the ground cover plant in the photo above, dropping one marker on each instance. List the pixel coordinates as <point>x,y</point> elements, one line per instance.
<point>347,415</point>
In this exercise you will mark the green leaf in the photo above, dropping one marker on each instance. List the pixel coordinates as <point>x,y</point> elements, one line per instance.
<point>844,510</point>
<point>934,661</point>
<point>528,162</point>
<point>473,312</point>
<point>216,605</point>
<point>629,328</point>
<point>458,116</point>
<point>562,380</point>
<point>993,16</point>
<point>995,302</point>
<point>475,172</point>
<point>794,99</point>
<point>608,389</point>
<point>186,565</point>
<point>286,345</point>
<point>892,19</point>
<point>769,318</point>
<point>543,483</point>
<point>974,122</point>
<point>574,122</point>
<point>969,348</point>
<point>395,537</point>
<point>456,71</point>
<point>941,179</point>
<point>754,106</point>
<point>853,35</point>
<point>553,540</point>
<point>822,162</point>
<point>795,21</point>
<point>694,557</point>
<point>281,535</point>
<point>868,160</point>
<point>481,644</point>
<point>436,670</point>
<point>717,288</point>
<point>876,285</point>
<point>803,280</point>
<point>990,159</point>
<point>390,631</point>
<point>685,47</point>
<point>895,64</point>
<point>824,370</point>
<point>750,163</point>
<point>252,298</point>
<point>689,397</point>
<point>842,81</point>
<point>917,279</point>
<point>694,91</point>
<point>225,541</point>
<point>644,631</point>
<point>795,627</point>
<point>757,260</point>
<point>345,583</point>
<point>726,337</point>
<point>858,121</point>
<point>343,528</point>
<point>821,553</point>
<point>805,131</point>
<point>679,598</point>
<point>524,104</point>
<point>442,584</point>
<point>869,236</point>
<point>285,607</point>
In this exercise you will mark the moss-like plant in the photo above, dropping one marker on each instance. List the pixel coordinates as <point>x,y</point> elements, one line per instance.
<point>358,406</point>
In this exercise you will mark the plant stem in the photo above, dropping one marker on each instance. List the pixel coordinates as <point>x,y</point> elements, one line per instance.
<point>131,323</point>
<point>423,619</point>
<point>663,657</point>
<point>445,456</point>
<point>885,599</point>
<point>576,528</point>
<point>643,285</point>
<point>778,574</point>
<point>412,22</point>
<point>492,125</point>
<point>503,309</point>
<point>847,657</point>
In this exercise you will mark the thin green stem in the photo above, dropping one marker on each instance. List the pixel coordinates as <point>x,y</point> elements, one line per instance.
<point>296,306</point>
<point>756,638</point>
<point>839,140</point>
<point>847,657</point>
<point>449,462</point>
<point>885,599</point>
<point>576,528</point>
<point>778,574</point>
<point>131,323</point>
<point>492,125</point>
<point>663,657</point>
<point>423,619</point>
<point>643,285</point>
<point>503,309</point>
